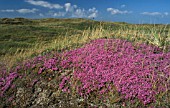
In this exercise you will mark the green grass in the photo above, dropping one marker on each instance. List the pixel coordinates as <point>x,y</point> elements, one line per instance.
<point>30,33</point>
<point>30,37</point>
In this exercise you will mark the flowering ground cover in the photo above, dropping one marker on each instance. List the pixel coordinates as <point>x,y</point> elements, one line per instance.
<point>104,71</point>
<point>137,71</point>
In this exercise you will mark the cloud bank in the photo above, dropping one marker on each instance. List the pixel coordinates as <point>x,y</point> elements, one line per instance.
<point>155,14</point>
<point>44,4</point>
<point>22,11</point>
<point>25,11</point>
<point>67,9</point>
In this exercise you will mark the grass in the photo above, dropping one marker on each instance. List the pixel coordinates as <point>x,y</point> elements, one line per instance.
<point>22,39</point>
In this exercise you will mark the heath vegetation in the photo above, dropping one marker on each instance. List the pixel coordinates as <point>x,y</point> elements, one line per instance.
<point>83,63</point>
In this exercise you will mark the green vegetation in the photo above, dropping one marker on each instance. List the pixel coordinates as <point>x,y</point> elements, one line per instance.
<point>21,35</point>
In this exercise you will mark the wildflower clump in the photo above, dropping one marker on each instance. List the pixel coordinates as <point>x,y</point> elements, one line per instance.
<point>107,69</point>
<point>138,71</point>
<point>37,65</point>
<point>6,79</point>
<point>42,63</point>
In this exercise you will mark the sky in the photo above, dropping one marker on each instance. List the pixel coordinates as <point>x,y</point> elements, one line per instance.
<point>131,11</point>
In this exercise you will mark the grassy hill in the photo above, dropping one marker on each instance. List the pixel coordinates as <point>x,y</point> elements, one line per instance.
<point>21,34</point>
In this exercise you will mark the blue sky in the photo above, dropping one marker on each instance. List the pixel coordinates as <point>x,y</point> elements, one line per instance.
<point>131,11</point>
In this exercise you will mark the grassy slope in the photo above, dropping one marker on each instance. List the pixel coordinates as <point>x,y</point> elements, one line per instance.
<point>21,38</point>
<point>33,34</point>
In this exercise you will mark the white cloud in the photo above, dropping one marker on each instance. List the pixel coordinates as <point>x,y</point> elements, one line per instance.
<point>59,14</point>
<point>44,4</point>
<point>53,13</point>
<point>90,13</point>
<point>93,13</point>
<point>24,11</point>
<point>79,13</point>
<point>75,11</point>
<point>92,9</point>
<point>8,10</point>
<point>151,13</point>
<point>69,7</point>
<point>122,6</point>
<point>69,10</point>
<point>155,14</point>
<point>117,11</point>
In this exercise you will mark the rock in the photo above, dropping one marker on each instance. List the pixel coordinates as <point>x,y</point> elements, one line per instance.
<point>42,98</point>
